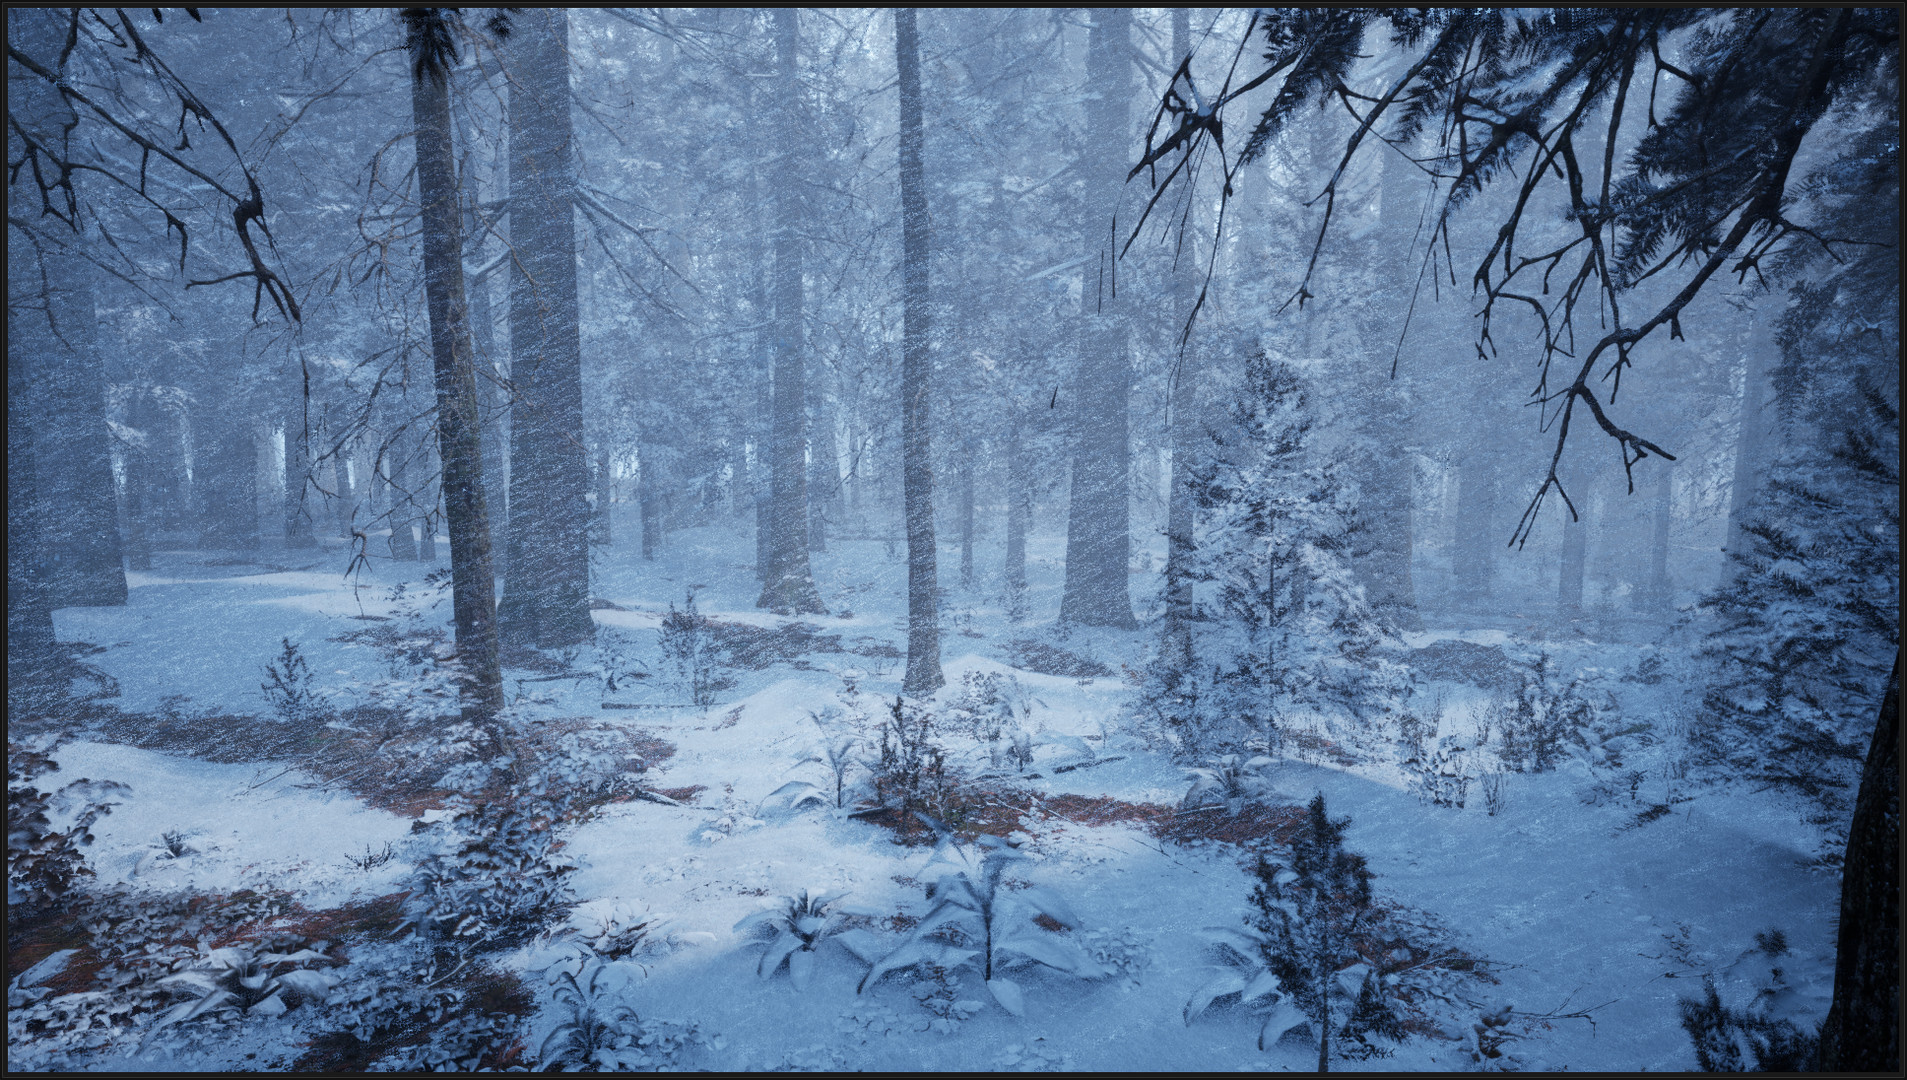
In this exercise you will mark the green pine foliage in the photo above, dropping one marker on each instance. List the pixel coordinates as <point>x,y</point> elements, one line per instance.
<point>1283,622</point>
<point>1808,625</point>
<point>1306,915</point>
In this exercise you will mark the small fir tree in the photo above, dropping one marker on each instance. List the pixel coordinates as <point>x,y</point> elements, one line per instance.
<point>1308,914</point>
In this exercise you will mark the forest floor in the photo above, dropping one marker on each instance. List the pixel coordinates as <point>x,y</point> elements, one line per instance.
<point>1598,894</point>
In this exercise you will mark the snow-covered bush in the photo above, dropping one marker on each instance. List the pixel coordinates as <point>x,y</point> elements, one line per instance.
<point>1297,953</point>
<point>1534,729</point>
<point>1442,777</point>
<point>44,863</point>
<point>616,932</point>
<point>1496,794</point>
<point>793,929</point>
<point>1282,620</point>
<point>500,883</point>
<point>1727,1040</point>
<point>910,766</point>
<point>288,687</point>
<point>691,649</point>
<point>982,923</point>
<point>837,756</point>
<point>243,979</point>
<point>595,1034</point>
<point>1230,781</point>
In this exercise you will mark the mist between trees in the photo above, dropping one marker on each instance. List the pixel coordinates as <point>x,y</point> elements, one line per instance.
<point>1279,337</point>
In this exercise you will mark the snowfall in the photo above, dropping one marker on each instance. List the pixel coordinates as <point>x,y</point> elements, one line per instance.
<point>1587,905</point>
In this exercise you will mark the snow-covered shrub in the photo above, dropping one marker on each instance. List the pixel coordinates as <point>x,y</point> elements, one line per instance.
<point>618,932</point>
<point>288,687</point>
<point>837,756</point>
<point>44,863</point>
<point>988,925</point>
<point>793,929</point>
<point>501,882</point>
<point>1297,951</point>
<point>1546,715</point>
<point>690,647</point>
<point>1442,777</point>
<point>462,1043</point>
<point>1230,781</point>
<point>910,767</point>
<point>243,979</point>
<point>593,1035</point>
<point>1282,621</point>
<point>1726,1040</point>
<point>1122,952</point>
<point>1496,795</point>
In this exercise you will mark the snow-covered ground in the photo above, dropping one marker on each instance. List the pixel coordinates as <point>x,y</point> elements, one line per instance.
<point>1568,899</point>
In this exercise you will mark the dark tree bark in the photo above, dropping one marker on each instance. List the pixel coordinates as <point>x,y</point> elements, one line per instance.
<point>1384,464</point>
<point>969,464</point>
<point>403,506</point>
<point>917,468</point>
<point>29,610</point>
<point>1569,580</point>
<point>1862,1029</point>
<point>54,321</point>
<point>1476,541</point>
<point>301,497</point>
<point>546,598</point>
<point>1098,520</point>
<point>1019,499</point>
<point>225,477</point>
<point>789,584</point>
<point>1659,590</point>
<point>348,489</point>
<point>473,586</point>
<point>1179,541</point>
<point>605,490</point>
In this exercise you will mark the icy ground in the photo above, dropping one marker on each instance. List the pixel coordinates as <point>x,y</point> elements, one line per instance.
<point>1568,900</point>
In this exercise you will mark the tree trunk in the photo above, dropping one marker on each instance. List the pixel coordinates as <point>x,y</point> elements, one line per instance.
<point>1569,583</point>
<point>546,598</point>
<point>492,370</point>
<point>431,505</point>
<point>403,507</point>
<point>348,489</point>
<point>225,478</point>
<point>1385,471</point>
<point>29,608</point>
<point>473,586</point>
<point>1862,1029</point>
<point>66,380</point>
<point>1018,509</point>
<point>1475,557</point>
<point>917,469</point>
<point>1748,440</point>
<point>1179,518</point>
<point>969,463</point>
<point>301,498</point>
<point>1098,520</point>
<point>142,473</point>
<point>605,491</point>
<point>789,588</point>
<point>1660,592</point>
<point>649,493</point>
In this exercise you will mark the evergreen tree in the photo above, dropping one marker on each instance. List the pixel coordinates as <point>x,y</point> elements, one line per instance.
<point>1308,913</point>
<point>1288,625</point>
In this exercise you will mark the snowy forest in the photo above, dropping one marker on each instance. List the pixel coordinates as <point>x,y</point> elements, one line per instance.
<point>953,539</point>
